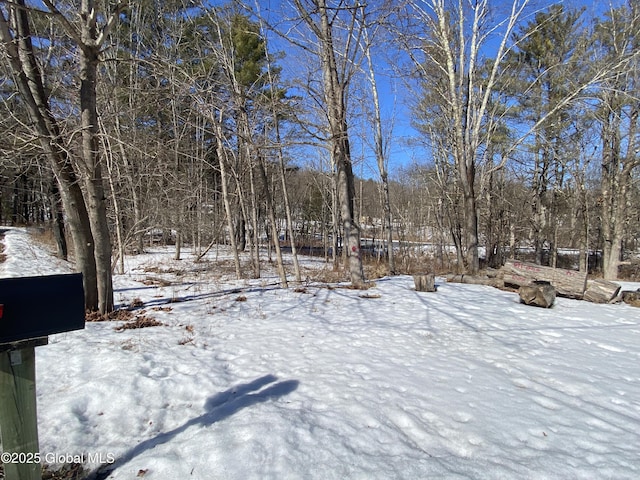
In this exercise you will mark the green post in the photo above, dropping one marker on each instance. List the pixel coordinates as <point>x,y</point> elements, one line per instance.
<point>18,415</point>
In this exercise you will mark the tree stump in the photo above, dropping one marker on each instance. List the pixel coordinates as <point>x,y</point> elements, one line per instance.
<point>601,291</point>
<point>538,294</point>
<point>631,298</point>
<point>425,283</point>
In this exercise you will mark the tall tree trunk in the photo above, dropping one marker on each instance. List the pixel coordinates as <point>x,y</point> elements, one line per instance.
<point>493,240</point>
<point>106,145</point>
<point>283,181</point>
<point>273,222</point>
<point>131,179</point>
<point>617,178</point>
<point>249,160</point>
<point>93,181</point>
<point>255,229</point>
<point>243,220</point>
<point>15,204</point>
<point>456,236</point>
<point>57,213</point>
<point>278,139</point>
<point>221,154</point>
<point>381,157</point>
<point>611,207</point>
<point>287,205</point>
<point>335,220</point>
<point>539,206</point>
<point>467,173</point>
<point>334,91</point>
<point>29,83</point>
<point>584,232</point>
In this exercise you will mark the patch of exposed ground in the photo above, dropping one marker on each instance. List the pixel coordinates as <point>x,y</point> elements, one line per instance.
<point>132,320</point>
<point>68,471</point>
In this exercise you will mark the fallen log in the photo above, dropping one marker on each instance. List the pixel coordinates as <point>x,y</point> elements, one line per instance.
<point>601,291</point>
<point>475,280</point>
<point>538,294</point>
<point>425,283</point>
<point>568,283</point>
<point>631,298</point>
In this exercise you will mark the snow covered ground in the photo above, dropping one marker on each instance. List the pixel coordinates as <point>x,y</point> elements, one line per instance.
<point>249,381</point>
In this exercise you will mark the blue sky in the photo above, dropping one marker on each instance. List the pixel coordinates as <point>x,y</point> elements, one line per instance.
<point>405,143</point>
<point>395,96</point>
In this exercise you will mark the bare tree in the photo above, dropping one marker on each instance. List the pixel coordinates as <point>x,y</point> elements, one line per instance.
<point>337,72</point>
<point>89,38</point>
<point>380,149</point>
<point>87,215</point>
<point>456,33</point>
<point>273,97</point>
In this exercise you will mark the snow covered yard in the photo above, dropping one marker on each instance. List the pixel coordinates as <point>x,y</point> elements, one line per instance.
<point>249,381</point>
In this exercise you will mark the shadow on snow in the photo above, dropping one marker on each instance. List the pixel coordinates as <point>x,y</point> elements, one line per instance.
<point>217,407</point>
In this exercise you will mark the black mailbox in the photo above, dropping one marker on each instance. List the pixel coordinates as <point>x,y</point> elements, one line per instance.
<point>32,307</point>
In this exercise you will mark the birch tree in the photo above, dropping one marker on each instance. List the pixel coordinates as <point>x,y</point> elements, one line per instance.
<point>453,34</point>
<point>379,145</point>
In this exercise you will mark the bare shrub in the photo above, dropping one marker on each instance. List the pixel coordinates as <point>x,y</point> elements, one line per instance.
<point>44,236</point>
<point>326,275</point>
<point>187,341</point>
<point>374,268</point>
<point>630,271</point>
<point>116,315</point>
<point>136,303</point>
<point>156,282</point>
<point>68,471</point>
<point>141,321</point>
<point>370,295</point>
<point>162,309</point>
<point>159,269</point>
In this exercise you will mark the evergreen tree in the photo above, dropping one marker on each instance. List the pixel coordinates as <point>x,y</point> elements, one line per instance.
<point>618,113</point>
<point>549,60</point>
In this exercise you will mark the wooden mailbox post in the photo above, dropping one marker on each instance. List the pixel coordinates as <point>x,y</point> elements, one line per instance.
<point>30,309</point>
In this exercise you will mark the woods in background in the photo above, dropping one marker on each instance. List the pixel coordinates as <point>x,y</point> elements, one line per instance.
<point>201,124</point>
